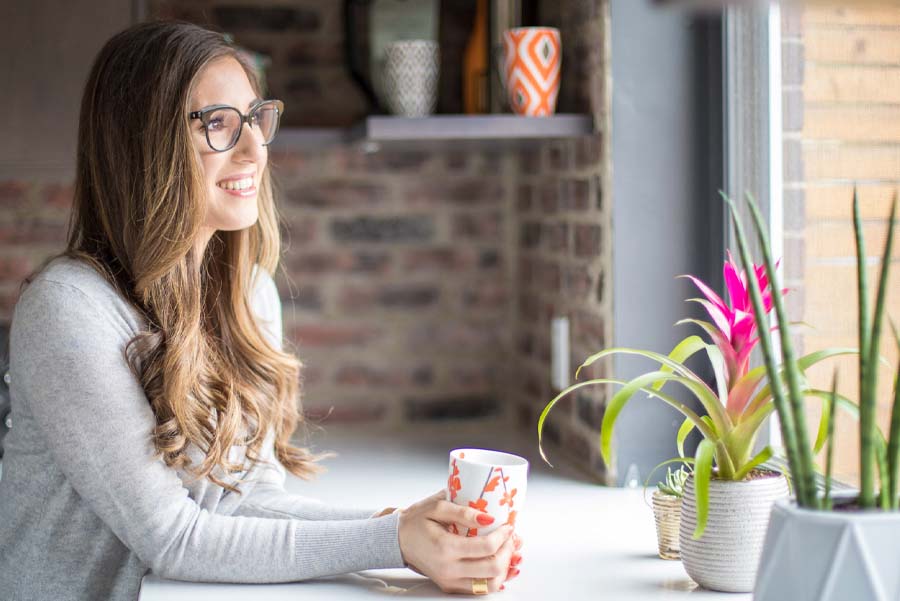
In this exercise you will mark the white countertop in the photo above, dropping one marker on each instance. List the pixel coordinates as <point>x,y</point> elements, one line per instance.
<point>582,540</point>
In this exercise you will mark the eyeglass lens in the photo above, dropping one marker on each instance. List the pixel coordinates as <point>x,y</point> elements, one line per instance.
<point>223,126</point>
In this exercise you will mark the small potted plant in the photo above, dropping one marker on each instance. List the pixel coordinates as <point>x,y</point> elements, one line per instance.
<point>816,548</point>
<point>667,511</point>
<point>730,492</point>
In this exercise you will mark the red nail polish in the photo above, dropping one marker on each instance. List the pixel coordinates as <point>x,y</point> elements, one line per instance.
<point>516,560</point>
<point>513,572</point>
<point>502,587</point>
<point>485,519</point>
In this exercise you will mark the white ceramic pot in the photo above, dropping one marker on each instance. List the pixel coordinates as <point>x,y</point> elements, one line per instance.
<point>829,556</point>
<point>411,72</point>
<point>725,558</point>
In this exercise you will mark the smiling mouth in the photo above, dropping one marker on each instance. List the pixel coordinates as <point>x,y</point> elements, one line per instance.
<point>236,184</point>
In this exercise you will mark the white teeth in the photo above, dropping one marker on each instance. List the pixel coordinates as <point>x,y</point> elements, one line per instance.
<point>240,184</point>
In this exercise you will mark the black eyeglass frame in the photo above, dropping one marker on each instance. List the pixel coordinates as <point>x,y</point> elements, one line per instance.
<point>202,115</point>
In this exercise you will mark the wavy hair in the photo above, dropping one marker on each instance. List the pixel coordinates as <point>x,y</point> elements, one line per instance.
<point>212,379</point>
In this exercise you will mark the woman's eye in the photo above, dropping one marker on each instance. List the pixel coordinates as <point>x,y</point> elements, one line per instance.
<point>214,124</point>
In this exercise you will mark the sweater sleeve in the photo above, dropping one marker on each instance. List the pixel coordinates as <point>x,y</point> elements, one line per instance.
<point>266,496</point>
<point>69,366</point>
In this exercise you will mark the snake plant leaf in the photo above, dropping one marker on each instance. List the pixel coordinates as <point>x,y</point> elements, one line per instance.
<point>703,461</point>
<point>758,459</point>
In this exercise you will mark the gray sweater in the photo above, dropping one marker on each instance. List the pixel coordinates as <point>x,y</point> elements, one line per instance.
<point>86,508</point>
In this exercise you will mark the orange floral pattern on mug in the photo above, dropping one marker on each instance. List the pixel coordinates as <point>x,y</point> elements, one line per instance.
<point>453,483</point>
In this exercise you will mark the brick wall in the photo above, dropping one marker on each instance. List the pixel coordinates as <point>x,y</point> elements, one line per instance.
<point>417,283</point>
<point>842,103</point>
<point>563,249</point>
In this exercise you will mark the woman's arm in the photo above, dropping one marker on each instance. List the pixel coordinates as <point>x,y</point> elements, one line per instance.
<point>69,369</point>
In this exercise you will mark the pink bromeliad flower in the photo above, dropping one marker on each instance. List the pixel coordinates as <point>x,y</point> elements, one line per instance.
<point>735,328</point>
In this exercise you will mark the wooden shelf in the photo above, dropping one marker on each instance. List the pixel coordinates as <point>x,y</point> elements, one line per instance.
<point>470,127</point>
<point>381,129</point>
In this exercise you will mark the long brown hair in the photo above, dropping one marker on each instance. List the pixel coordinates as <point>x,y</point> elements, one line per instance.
<point>211,377</point>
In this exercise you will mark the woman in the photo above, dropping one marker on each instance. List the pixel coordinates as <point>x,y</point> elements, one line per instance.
<point>153,402</point>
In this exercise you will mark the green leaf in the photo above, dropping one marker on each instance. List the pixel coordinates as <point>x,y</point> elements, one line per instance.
<point>702,473</point>
<point>619,400</point>
<point>760,457</point>
<point>686,427</point>
<point>717,360</point>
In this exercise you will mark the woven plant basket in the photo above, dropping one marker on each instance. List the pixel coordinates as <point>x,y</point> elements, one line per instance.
<point>667,514</point>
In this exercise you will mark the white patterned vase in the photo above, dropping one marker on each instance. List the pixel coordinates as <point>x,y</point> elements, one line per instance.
<point>829,556</point>
<point>411,69</point>
<point>726,556</point>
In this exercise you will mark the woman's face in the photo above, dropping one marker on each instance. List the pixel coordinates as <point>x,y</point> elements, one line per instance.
<point>224,81</point>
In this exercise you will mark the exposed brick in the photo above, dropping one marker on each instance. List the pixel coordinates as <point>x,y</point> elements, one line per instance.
<point>303,297</point>
<point>367,411</point>
<point>577,282</point>
<point>598,191</point>
<point>601,283</point>
<point>337,195</point>
<point>334,335</point>
<point>559,156</point>
<point>549,276</point>
<point>524,197</point>
<point>589,409</point>
<point>456,160</point>
<point>550,196</point>
<point>455,407</point>
<point>529,309</point>
<point>33,230</point>
<point>298,231</point>
<point>460,191</point>
<point>440,259</point>
<point>367,375</point>
<point>555,236</point>
<point>13,193</point>
<point>315,51</point>
<point>525,343</point>
<point>453,335</point>
<point>525,416</point>
<point>473,376</point>
<point>530,235</point>
<point>490,259</point>
<point>575,194</point>
<point>589,329</point>
<point>320,261</point>
<point>273,18</point>
<point>529,160</point>
<point>486,297</point>
<point>478,226</point>
<point>383,229</point>
<point>587,240</point>
<point>526,271</point>
<point>400,296</point>
<point>14,268</point>
<point>58,196</point>
<point>589,151</point>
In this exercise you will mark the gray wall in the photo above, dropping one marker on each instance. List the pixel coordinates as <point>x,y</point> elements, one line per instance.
<point>666,218</point>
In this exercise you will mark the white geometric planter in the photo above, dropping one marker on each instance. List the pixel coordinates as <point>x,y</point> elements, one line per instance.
<point>725,558</point>
<point>830,556</point>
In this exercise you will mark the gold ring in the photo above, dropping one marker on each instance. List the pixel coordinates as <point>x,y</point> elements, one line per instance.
<point>479,586</point>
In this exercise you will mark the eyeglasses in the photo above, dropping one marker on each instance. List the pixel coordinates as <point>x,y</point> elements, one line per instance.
<point>223,124</point>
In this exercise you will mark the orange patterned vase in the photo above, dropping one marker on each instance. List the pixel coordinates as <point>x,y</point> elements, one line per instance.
<point>532,58</point>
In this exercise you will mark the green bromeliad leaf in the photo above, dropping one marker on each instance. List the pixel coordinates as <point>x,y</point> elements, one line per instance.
<point>702,473</point>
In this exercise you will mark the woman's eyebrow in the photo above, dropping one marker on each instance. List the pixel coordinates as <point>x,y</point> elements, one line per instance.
<point>252,102</point>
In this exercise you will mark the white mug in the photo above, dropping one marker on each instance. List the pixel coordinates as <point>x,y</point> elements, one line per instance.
<point>492,482</point>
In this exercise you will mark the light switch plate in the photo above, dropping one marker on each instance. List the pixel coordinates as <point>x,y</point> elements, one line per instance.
<point>559,353</point>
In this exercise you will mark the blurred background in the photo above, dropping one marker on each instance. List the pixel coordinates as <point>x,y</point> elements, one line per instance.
<point>421,273</point>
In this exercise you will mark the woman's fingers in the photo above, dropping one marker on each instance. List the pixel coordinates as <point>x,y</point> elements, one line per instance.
<point>495,565</point>
<point>447,512</point>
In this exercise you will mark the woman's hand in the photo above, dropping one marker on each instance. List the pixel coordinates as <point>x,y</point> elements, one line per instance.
<point>451,560</point>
